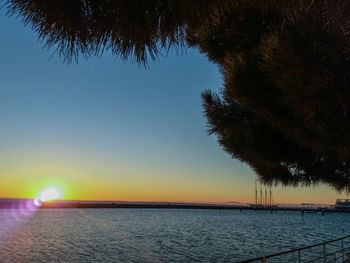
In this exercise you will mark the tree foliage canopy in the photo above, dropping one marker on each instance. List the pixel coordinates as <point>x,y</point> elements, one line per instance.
<point>285,105</point>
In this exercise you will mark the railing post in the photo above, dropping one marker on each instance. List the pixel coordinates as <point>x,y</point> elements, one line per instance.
<point>343,257</point>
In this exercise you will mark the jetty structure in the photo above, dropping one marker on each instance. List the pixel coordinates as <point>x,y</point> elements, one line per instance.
<point>265,205</point>
<point>342,204</point>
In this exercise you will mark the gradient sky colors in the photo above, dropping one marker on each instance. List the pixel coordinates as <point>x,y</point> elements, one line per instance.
<point>108,130</point>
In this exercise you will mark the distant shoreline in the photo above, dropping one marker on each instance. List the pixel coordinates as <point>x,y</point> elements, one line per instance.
<point>110,205</point>
<point>322,211</point>
<point>73,204</point>
<point>130,205</point>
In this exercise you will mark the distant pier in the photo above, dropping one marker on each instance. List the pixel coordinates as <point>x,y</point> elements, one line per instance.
<point>7,204</point>
<point>273,209</point>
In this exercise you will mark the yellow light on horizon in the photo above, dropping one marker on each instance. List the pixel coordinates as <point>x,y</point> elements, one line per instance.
<point>49,194</point>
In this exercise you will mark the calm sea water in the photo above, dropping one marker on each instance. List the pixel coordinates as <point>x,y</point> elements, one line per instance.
<point>158,235</point>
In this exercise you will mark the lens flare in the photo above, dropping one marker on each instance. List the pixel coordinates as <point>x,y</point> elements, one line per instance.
<point>48,194</point>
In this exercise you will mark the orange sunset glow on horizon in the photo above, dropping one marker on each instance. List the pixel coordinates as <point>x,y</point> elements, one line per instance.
<point>69,186</point>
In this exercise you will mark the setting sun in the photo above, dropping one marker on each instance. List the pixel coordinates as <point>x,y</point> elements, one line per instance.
<point>50,193</point>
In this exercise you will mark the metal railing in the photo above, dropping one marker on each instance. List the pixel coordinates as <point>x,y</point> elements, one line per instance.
<point>333,251</point>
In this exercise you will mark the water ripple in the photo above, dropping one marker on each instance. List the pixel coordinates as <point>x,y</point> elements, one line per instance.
<point>160,235</point>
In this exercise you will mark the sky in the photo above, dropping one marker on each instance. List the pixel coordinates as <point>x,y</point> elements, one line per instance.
<point>104,129</point>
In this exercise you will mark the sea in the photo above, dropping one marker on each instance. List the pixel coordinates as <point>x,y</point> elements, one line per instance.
<point>159,235</point>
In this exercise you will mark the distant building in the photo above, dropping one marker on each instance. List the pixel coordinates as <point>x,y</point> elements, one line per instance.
<point>342,204</point>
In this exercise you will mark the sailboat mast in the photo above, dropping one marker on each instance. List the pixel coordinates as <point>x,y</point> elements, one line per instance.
<point>271,199</point>
<point>256,193</point>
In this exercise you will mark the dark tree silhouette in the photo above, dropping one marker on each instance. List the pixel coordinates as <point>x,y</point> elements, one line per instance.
<point>284,106</point>
<point>130,28</point>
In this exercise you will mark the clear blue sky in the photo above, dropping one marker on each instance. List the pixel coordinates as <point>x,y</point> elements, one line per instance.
<point>109,128</point>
